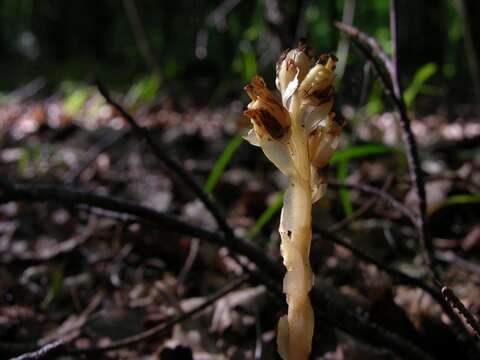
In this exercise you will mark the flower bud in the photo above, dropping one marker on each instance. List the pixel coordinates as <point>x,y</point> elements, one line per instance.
<point>270,119</point>
<point>316,88</point>
<point>292,63</point>
<point>323,141</point>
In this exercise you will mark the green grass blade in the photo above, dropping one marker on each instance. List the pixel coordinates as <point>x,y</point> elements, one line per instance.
<point>341,159</point>
<point>54,289</point>
<point>361,151</point>
<point>221,163</point>
<point>342,173</point>
<point>463,199</point>
<point>419,79</point>
<point>266,216</point>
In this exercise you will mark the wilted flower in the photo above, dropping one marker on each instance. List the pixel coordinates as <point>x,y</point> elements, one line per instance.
<point>323,141</point>
<point>270,119</point>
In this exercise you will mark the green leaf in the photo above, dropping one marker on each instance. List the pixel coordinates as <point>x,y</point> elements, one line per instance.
<point>249,65</point>
<point>144,90</point>
<point>221,163</point>
<point>54,289</point>
<point>75,100</point>
<point>266,216</point>
<point>342,173</point>
<point>419,79</point>
<point>23,161</point>
<point>360,151</point>
<point>374,104</point>
<point>463,199</point>
<point>341,158</point>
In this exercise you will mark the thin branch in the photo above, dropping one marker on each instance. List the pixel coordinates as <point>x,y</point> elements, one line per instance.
<point>371,43</point>
<point>367,189</point>
<point>54,252</point>
<point>374,53</point>
<point>344,45</point>
<point>394,72</point>
<point>105,143</point>
<point>332,306</point>
<point>45,352</point>
<point>398,276</point>
<point>72,197</point>
<point>173,166</point>
<point>366,206</point>
<point>468,11</point>
<point>416,172</point>
<point>351,321</point>
<point>141,35</point>
<point>457,304</point>
<point>165,326</point>
<point>230,240</point>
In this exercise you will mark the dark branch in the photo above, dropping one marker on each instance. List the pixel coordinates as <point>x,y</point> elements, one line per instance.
<point>404,279</point>
<point>376,56</point>
<point>75,198</point>
<point>370,48</point>
<point>45,352</point>
<point>166,326</point>
<point>456,303</point>
<point>173,166</point>
<point>394,71</point>
<point>367,189</point>
<point>332,306</point>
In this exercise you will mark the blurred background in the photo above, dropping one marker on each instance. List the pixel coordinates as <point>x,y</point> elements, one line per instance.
<point>207,50</point>
<point>180,67</point>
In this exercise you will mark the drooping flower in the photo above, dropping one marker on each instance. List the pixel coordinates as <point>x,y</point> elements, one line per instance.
<point>270,119</point>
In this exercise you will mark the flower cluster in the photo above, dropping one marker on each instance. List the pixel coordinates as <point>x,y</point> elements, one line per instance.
<point>306,90</point>
<point>299,134</point>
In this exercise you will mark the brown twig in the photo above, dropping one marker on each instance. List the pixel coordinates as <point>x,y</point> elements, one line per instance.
<point>166,326</point>
<point>344,45</point>
<point>367,189</point>
<point>141,36</point>
<point>369,47</point>
<point>45,352</point>
<point>173,166</point>
<point>416,173</point>
<point>326,299</point>
<point>398,276</point>
<point>366,206</point>
<point>457,304</point>
<point>369,41</point>
<point>72,197</point>
<point>106,142</point>
<point>230,240</point>
<point>58,250</point>
<point>374,52</point>
<point>188,265</point>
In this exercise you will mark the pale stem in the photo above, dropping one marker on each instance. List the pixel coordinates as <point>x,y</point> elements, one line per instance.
<point>300,313</point>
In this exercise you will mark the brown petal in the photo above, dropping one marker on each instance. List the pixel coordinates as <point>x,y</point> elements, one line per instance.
<point>269,124</point>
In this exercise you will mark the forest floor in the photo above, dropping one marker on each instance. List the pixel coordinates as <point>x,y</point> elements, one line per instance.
<point>83,276</point>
